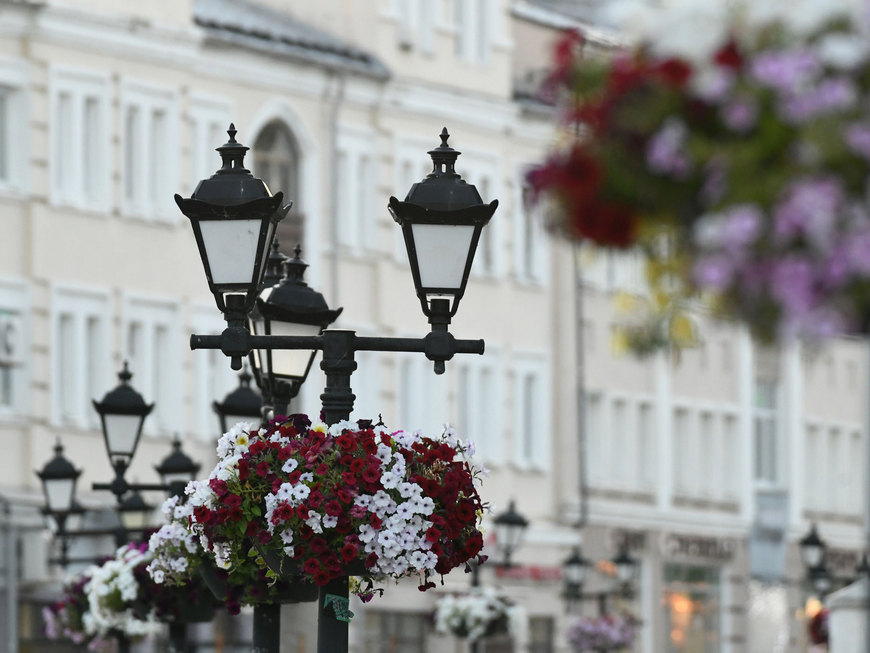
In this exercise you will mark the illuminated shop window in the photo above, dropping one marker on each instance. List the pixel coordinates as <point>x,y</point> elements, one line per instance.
<point>692,605</point>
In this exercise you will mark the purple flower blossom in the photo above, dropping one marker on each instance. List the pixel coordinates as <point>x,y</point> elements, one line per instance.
<point>666,151</point>
<point>740,115</point>
<point>714,272</point>
<point>857,137</point>
<point>858,251</point>
<point>786,71</point>
<point>809,209</point>
<point>829,96</point>
<point>792,284</point>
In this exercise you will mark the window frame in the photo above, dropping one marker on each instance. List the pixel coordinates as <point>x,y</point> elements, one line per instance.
<point>15,303</point>
<point>534,365</point>
<point>82,303</point>
<point>80,85</point>
<point>156,170</point>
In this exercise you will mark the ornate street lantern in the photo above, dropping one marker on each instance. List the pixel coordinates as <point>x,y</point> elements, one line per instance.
<point>177,469</point>
<point>441,220</point>
<point>134,512</point>
<point>510,526</point>
<point>59,482</point>
<point>243,404</point>
<point>574,572</point>
<point>122,413</point>
<point>233,216</point>
<point>626,566</point>
<point>812,548</point>
<point>290,308</point>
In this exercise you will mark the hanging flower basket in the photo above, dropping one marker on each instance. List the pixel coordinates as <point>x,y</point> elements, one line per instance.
<point>610,632</point>
<point>481,612</point>
<point>730,142</point>
<point>107,601</point>
<point>344,500</point>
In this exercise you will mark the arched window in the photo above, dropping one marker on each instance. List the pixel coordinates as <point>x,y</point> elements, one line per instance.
<point>276,161</point>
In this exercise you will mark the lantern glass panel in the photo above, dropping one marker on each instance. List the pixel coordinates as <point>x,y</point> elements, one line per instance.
<point>134,520</point>
<point>575,573</point>
<point>813,554</point>
<point>508,537</point>
<point>59,493</point>
<point>291,362</point>
<point>231,247</point>
<point>625,572</point>
<point>442,253</point>
<point>122,432</point>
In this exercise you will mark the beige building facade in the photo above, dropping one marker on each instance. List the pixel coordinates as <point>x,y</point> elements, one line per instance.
<point>107,109</point>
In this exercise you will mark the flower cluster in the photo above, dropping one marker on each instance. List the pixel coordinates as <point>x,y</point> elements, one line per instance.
<point>119,596</point>
<point>610,631</point>
<point>175,550</point>
<point>66,617</point>
<point>106,600</point>
<point>480,613</point>
<point>341,499</point>
<point>731,143</point>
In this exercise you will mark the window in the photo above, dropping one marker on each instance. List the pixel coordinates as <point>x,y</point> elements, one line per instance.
<point>834,470</point>
<point>417,20</point>
<point>421,395</point>
<point>765,432</point>
<point>707,458</point>
<point>152,346</point>
<point>478,394</point>
<point>855,463</point>
<point>366,385</point>
<point>210,118</point>
<point>410,168</point>
<point>277,162</point>
<point>531,433</point>
<point>150,171</point>
<point>529,239</point>
<point>646,446</point>
<point>813,462</point>
<point>80,141</point>
<point>541,635</point>
<point>474,19</point>
<point>80,355</point>
<point>386,632</point>
<point>682,459</point>
<point>481,171</point>
<point>594,435</point>
<point>356,191</point>
<point>692,605</point>
<point>213,376</point>
<point>619,443</point>
<point>730,452</point>
<point>14,348</point>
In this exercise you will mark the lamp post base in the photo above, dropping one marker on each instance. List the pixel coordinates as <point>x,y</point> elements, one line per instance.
<point>267,628</point>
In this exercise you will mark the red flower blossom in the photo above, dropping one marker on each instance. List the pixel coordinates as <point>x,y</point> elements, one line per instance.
<point>729,56</point>
<point>348,552</point>
<point>333,508</point>
<point>262,468</point>
<point>257,446</point>
<point>232,500</point>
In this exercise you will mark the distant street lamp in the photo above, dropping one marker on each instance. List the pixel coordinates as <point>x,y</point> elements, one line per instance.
<point>177,470</point>
<point>122,414</point>
<point>814,552</point>
<point>59,478</point>
<point>243,404</point>
<point>510,526</point>
<point>289,308</point>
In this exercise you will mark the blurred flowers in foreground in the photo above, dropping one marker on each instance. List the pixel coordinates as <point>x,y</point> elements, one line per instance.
<point>732,145</point>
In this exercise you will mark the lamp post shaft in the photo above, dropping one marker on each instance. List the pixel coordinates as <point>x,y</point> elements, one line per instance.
<point>177,637</point>
<point>337,400</point>
<point>267,628</point>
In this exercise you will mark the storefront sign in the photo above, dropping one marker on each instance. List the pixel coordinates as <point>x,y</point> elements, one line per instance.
<point>693,546</point>
<point>530,572</point>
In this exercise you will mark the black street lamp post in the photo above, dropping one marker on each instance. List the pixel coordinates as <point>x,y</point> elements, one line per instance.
<point>575,570</point>
<point>233,217</point>
<point>510,526</point>
<point>244,404</point>
<point>814,552</point>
